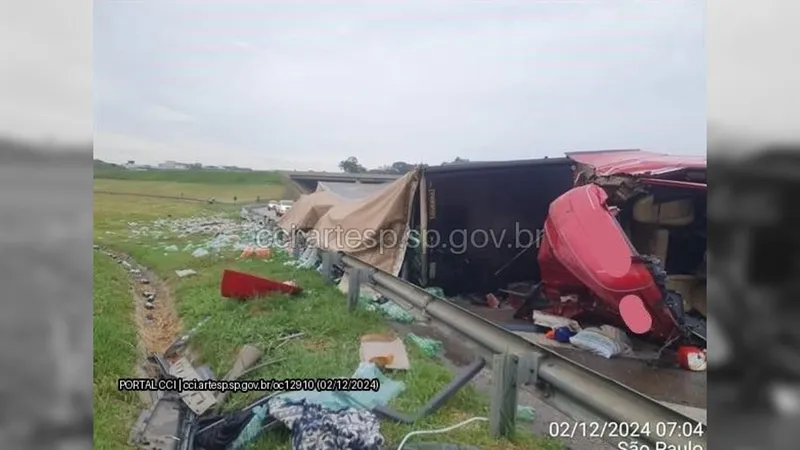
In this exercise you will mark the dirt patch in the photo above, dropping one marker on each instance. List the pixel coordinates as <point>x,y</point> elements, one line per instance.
<point>316,345</point>
<point>155,316</point>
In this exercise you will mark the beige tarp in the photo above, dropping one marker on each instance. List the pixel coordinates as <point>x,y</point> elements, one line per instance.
<point>352,191</point>
<point>373,229</point>
<point>307,210</point>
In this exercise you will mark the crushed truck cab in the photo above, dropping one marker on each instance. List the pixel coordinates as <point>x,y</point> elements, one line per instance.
<point>628,244</point>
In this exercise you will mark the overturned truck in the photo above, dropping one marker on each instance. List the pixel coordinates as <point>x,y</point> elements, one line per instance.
<point>618,235</point>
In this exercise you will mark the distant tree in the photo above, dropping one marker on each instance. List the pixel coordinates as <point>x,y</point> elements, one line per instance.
<point>351,165</point>
<point>458,160</point>
<point>401,167</point>
<point>396,168</point>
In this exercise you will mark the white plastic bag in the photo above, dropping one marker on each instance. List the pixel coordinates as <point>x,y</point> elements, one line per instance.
<point>595,341</point>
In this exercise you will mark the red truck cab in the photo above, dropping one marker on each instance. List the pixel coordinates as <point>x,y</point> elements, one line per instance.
<point>607,250</point>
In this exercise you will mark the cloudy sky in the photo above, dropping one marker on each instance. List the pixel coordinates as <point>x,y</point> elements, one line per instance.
<point>269,85</point>
<point>753,73</point>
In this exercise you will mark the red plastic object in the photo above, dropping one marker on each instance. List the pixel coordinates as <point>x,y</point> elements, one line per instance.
<point>692,358</point>
<point>243,286</point>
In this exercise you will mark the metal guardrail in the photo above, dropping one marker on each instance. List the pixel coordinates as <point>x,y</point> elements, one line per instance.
<point>600,406</point>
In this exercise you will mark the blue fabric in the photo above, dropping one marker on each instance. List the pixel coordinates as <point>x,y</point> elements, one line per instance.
<point>356,399</point>
<point>252,430</point>
<point>317,428</point>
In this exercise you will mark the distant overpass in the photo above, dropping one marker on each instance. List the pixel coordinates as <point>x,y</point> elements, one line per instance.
<point>307,181</point>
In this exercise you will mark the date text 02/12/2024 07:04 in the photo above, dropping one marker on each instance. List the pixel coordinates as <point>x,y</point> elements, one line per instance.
<point>631,435</point>
<point>291,384</point>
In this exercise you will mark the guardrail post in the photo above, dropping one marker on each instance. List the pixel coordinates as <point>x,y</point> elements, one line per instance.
<point>296,245</point>
<point>528,367</point>
<point>504,395</point>
<point>327,266</point>
<point>354,278</point>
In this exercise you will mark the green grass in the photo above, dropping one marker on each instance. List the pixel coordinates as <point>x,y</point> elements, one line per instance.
<point>197,176</point>
<point>244,193</point>
<point>329,347</point>
<point>114,355</point>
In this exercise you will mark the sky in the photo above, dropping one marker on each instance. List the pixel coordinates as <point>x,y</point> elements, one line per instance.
<point>753,73</point>
<point>269,85</point>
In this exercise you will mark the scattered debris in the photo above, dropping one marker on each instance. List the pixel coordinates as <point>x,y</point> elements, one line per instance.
<point>309,259</point>
<point>243,286</point>
<point>249,252</point>
<point>251,430</point>
<point>563,334</point>
<point>158,426</point>
<point>183,273</point>
<point>247,357</point>
<point>149,305</point>
<point>180,343</point>
<point>171,248</point>
<point>492,301</point>
<point>385,351</point>
<point>435,290</point>
<point>692,358</point>
<point>601,342</point>
<point>221,232</point>
<point>349,428</point>
<point>526,413</point>
<point>552,321</point>
<point>430,347</point>
<point>198,401</point>
<point>200,252</point>
<point>388,308</point>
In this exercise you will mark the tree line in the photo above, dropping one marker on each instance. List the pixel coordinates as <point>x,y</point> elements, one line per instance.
<point>351,165</point>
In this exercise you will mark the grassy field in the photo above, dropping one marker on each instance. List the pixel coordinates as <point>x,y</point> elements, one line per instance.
<point>199,184</point>
<point>328,349</point>
<point>194,176</point>
<point>244,193</point>
<point>114,355</point>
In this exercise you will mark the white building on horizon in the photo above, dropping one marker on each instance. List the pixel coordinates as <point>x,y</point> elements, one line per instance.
<point>173,165</point>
